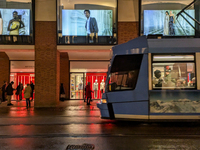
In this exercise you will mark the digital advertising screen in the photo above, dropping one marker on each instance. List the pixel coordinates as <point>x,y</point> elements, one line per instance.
<point>14,21</point>
<point>165,22</point>
<point>86,22</point>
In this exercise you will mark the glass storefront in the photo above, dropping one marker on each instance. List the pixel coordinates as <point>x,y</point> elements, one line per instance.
<point>78,81</point>
<point>23,78</point>
<point>83,72</point>
<point>22,72</point>
<point>87,22</point>
<point>16,22</point>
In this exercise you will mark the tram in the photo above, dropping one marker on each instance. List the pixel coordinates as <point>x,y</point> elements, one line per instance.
<point>152,79</point>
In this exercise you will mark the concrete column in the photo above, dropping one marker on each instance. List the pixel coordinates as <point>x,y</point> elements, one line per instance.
<point>47,58</point>
<point>65,73</point>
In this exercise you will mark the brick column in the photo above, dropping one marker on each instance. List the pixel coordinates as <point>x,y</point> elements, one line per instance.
<point>47,58</point>
<point>65,73</point>
<point>4,68</point>
<point>127,31</point>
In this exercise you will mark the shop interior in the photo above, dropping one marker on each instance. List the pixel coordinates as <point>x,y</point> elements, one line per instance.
<point>86,71</point>
<point>22,72</point>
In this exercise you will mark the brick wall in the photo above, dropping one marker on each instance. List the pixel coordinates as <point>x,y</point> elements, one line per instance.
<point>127,31</point>
<point>4,69</point>
<point>64,73</point>
<point>47,60</point>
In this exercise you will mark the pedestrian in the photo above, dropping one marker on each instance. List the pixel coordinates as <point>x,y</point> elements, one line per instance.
<point>33,88</point>
<point>88,93</point>
<point>3,89</point>
<point>27,95</point>
<point>9,92</point>
<point>62,92</point>
<point>19,91</point>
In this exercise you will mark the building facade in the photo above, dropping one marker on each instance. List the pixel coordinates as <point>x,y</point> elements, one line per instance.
<point>51,42</point>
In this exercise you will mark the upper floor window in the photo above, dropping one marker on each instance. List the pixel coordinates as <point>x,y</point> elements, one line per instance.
<point>87,22</point>
<point>173,72</point>
<point>16,22</point>
<point>169,18</point>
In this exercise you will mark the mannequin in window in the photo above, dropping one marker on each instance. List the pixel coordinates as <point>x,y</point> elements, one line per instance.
<point>102,86</point>
<point>95,88</point>
<point>80,89</point>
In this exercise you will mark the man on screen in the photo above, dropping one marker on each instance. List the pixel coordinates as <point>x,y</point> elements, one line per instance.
<point>15,24</point>
<point>91,26</point>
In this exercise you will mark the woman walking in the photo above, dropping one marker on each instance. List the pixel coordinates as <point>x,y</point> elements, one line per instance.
<point>27,95</point>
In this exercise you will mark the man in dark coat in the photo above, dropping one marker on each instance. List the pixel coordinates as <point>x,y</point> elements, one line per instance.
<point>9,92</point>
<point>88,93</point>
<point>19,91</point>
<point>3,89</point>
<point>91,26</point>
<point>33,88</point>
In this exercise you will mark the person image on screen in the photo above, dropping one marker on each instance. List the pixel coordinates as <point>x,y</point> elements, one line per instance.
<point>91,26</point>
<point>166,23</point>
<point>171,23</point>
<point>15,24</point>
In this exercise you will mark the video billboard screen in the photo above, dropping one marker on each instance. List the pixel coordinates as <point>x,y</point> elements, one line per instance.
<point>14,21</point>
<point>86,22</point>
<point>165,22</point>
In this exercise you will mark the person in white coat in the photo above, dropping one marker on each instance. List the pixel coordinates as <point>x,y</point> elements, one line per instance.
<point>27,95</point>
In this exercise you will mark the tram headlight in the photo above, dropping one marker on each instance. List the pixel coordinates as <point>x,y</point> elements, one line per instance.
<point>103,101</point>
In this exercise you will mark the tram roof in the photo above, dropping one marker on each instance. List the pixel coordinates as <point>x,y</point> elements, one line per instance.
<point>135,46</point>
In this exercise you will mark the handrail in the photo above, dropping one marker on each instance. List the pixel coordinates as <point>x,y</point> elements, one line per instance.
<point>186,7</point>
<point>183,11</point>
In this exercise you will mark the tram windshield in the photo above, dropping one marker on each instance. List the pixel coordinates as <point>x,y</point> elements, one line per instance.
<point>124,72</point>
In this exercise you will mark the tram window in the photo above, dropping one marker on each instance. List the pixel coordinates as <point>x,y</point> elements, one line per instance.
<point>124,72</point>
<point>174,75</point>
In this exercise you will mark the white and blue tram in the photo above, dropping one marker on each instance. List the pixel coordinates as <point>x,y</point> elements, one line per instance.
<point>153,79</point>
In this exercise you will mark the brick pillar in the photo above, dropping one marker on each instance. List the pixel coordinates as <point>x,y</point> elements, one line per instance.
<point>65,72</point>
<point>47,62</point>
<point>127,31</point>
<point>47,58</point>
<point>4,68</point>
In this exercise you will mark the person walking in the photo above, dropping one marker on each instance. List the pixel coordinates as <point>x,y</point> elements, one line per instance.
<point>3,89</point>
<point>62,92</point>
<point>9,92</point>
<point>19,91</point>
<point>88,93</point>
<point>33,88</point>
<point>27,95</point>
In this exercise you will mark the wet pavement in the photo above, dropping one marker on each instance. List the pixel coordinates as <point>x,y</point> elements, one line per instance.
<point>75,123</point>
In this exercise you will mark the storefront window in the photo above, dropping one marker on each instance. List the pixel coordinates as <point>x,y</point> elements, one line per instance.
<point>22,72</point>
<point>16,22</point>
<point>124,72</point>
<point>80,80</point>
<point>87,22</point>
<point>173,72</point>
<point>167,18</point>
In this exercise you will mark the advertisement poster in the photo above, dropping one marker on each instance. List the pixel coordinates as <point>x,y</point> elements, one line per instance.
<point>175,102</point>
<point>83,23</point>
<point>14,21</point>
<point>165,22</point>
